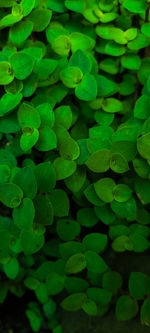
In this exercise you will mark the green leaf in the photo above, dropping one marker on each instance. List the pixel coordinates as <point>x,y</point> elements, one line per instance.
<point>87,217</point>
<point>142,190</point>
<point>29,138</point>
<point>63,116</point>
<point>90,307</point>
<point>143,146</point>
<point>4,173</point>
<point>145,312</point>
<point>28,116</point>
<point>112,105</point>
<point>24,214</point>
<point>105,189</point>
<point>122,243</point>
<point>44,212</point>
<point>107,17</point>
<point>99,295</point>
<point>31,241</point>
<point>75,5</point>
<point>26,180</point>
<point>30,85</point>
<point>146,29</point>
<point>131,33</point>
<point>22,64</point>
<point>139,285</point>
<point>127,86</point>
<point>56,6</point>
<point>47,139</point>
<point>40,17</point>
<point>6,3</point>
<point>141,109</point>
<point>81,60</point>
<point>90,15</point>
<point>142,215</point>
<point>60,202</point>
<point>45,67</point>
<point>36,52</point>
<point>69,149</point>
<point>111,33</point>
<point>112,281</point>
<point>131,61</point>
<point>71,76</point>
<point>109,65</point>
<point>104,31</point>
<point>118,35</point>
<point>100,138</point>
<point>126,308</point>
<point>31,283</point>
<point>81,41</point>
<point>55,283</point>
<point>34,319</point>
<point>125,209</point>
<point>75,285</point>
<point>14,87</point>
<point>74,302</point>
<point>68,249</point>
<point>143,71</point>
<point>118,230</point>
<point>67,229</point>
<point>76,263</point>
<point>45,176</point>
<point>4,239</point>
<point>99,161</point>
<point>139,42</point>
<point>87,89</point>
<point>51,248</point>
<point>95,263</point>
<point>140,243</point>
<point>10,195</point>
<point>61,45</point>
<point>50,308</point>
<point>139,229</point>
<point>118,163</point>
<point>135,6</point>
<point>6,73</point>
<point>105,214</point>
<point>9,124</point>
<point>76,181</point>
<point>11,268</point>
<point>20,31</point>
<point>46,114</point>
<point>84,152</point>
<point>8,102</point>
<point>10,19</point>
<point>103,118</point>
<point>91,195</point>
<point>125,148</point>
<point>122,193</point>
<point>96,242</point>
<point>41,293</point>
<point>114,49</point>
<point>146,126</point>
<point>106,87</point>
<point>63,168</point>
<point>6,157</point>
<point>27,6</point>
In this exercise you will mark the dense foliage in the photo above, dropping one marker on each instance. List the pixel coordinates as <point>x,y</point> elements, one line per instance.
<point>75,155</point>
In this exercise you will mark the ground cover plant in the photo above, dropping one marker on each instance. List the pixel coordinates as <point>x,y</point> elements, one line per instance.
<point>74,157</point>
